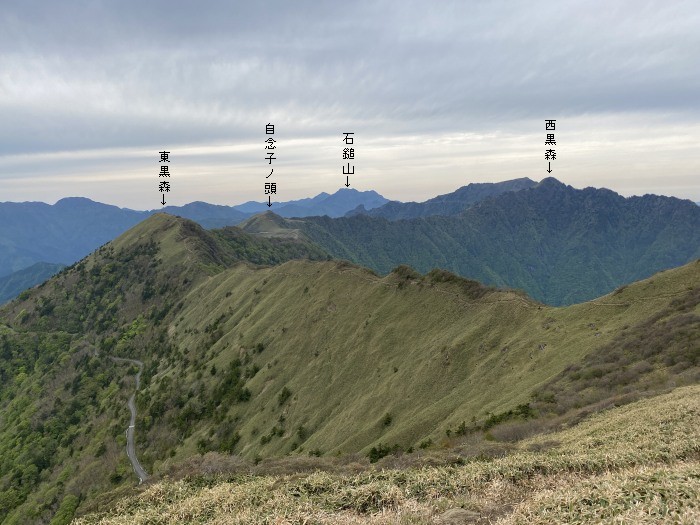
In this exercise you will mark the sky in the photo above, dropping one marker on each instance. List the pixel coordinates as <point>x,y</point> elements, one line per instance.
<point>437,95</point>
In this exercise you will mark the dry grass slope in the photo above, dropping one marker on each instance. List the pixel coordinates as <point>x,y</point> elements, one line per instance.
<point>633,464</point>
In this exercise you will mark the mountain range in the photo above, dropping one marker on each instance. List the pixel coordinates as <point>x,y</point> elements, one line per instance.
<point>335,205</point>
<point>60,234</point>
<point>560,244</point>
<point>259,346</point>
<point>33,233</point>
<point>449,204</point>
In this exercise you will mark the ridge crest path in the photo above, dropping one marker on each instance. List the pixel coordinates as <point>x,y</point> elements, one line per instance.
<point>130,447</point>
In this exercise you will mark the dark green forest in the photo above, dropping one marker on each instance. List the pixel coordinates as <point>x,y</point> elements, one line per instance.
<point>559,244</point>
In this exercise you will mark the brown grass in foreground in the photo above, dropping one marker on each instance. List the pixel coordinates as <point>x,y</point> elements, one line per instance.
<point>633,464</point>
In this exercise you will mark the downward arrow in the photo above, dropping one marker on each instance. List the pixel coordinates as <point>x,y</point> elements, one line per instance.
<point>269,201</point>
<point>163,199</point>
<point>549,169</point>
<point>347,181</point>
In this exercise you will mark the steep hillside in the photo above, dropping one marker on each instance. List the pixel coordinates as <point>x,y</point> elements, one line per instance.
<point>631,465</point>
<point>559,244</point>
<point>295,357</point>
<point>356,348</point>
<point>63,397</point>
<point>449,204</point>
<point>11,285</point>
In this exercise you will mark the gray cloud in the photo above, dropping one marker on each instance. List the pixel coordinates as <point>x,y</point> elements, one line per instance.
<point>93,75</point>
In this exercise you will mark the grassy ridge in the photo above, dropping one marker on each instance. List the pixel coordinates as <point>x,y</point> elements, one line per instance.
<point>634,464</point>
<point>353,348</point>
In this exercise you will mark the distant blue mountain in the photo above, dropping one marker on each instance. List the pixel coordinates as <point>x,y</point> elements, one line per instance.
<point>254,207</point>
<point>208,215</point>
<point>33,232</point>
<point>444,205</point>
<point>336,205</point>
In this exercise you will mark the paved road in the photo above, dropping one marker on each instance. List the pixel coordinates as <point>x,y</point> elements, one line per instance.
<point>130,448</point>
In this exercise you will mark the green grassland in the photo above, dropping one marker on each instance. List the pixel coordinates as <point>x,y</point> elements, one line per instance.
<point>261,348</point>
<point>352,347</point>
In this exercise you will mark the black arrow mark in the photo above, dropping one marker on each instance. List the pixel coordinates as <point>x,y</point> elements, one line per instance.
<point>347,181</point>
<point>163,199</point>
<point>269,201</point>
<point>549,169</point>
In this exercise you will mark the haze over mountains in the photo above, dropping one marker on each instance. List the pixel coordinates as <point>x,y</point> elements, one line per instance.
<point>335,205</point>
<point>560,244</point>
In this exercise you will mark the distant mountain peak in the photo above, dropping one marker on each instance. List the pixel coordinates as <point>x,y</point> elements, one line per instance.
<point>262,222</point>
<point>551,182</point>
<point>156,225</point>
<point>72,204</point>
<point>180,241</point>
<point>74,201</point>
<point>355,191</point>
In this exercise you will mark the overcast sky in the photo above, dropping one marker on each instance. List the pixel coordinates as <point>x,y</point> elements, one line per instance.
<point>438,95</point>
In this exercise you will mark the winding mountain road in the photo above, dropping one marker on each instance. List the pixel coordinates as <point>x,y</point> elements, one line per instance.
<point>130,447</point>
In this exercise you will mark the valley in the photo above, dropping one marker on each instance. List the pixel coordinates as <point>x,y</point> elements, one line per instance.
<point>256,347</point>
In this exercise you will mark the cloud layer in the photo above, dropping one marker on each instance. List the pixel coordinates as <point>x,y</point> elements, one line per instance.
<point>438,95</point>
